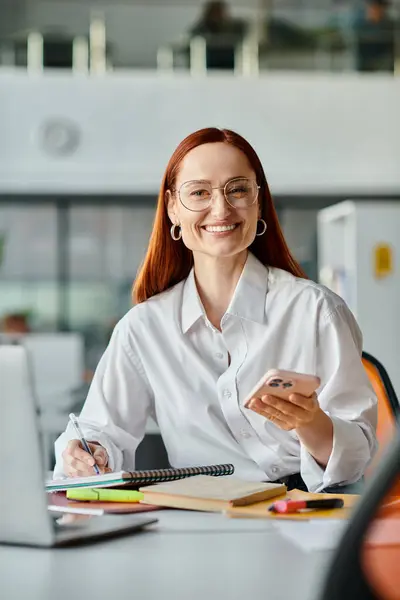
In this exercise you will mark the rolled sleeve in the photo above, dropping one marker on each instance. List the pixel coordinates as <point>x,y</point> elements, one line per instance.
<point>348,399</point>
<point>117,406</point>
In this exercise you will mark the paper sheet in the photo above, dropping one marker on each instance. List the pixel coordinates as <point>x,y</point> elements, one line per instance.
<point>77,511</point>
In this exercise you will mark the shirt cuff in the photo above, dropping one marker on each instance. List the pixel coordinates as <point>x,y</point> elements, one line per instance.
<point>115,457</point>
<point>349,458</point>
<point>114,453</point>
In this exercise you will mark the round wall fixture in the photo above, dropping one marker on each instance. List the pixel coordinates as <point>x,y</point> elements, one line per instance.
<point>59,136</point>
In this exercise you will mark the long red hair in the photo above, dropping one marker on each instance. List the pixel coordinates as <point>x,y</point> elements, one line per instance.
<point>167,262</point>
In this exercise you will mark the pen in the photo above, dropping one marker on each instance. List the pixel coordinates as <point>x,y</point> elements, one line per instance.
<point>84,443</point>
<point>290,506</point>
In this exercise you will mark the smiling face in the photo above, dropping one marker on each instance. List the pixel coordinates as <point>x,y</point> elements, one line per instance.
<point>220,230</point>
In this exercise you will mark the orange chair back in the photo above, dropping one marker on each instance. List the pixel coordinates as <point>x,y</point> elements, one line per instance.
<point>387,414</point>
<point>386,419</point>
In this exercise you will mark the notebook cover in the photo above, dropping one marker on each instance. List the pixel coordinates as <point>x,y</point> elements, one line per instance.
<point>260,509</point>
<point>137,478</point>
<point>206,493</point>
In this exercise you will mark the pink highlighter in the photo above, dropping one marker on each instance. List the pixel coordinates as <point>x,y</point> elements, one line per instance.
<point>291,506</point>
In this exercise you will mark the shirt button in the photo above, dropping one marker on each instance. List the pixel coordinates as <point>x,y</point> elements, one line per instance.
<point>245,434</point>
<point>275,469</point>
<point>219,355</point>
<point>227,393</point>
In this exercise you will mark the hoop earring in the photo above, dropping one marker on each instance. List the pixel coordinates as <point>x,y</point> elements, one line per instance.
<point>174,236</point>
<point>264,225</point>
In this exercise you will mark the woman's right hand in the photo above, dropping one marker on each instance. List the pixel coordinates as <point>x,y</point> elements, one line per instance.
<point>78,463</point>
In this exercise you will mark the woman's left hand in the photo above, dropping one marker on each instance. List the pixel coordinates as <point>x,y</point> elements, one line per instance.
<point>286,414</point>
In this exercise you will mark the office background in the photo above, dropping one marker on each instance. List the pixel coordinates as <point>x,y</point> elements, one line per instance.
<point>94,97</point>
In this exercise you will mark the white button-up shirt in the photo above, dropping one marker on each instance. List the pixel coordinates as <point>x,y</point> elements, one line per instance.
<point>167,361</point>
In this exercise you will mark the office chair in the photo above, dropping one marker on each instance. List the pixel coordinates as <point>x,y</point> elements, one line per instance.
<point>382,385</point>
<point>347,577</point>
<point>388,406</point>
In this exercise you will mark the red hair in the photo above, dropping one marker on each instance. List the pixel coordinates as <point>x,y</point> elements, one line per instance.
<point>167,262</point>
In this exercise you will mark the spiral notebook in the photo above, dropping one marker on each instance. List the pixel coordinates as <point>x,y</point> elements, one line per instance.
<point>137,478</point>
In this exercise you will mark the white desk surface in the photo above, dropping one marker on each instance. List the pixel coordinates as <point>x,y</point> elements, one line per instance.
<point>185,556</point>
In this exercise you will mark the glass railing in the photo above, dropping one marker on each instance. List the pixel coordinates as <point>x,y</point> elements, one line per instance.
<point>248,39</point>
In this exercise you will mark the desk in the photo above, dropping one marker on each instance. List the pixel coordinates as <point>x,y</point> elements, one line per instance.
<point>186,556</point>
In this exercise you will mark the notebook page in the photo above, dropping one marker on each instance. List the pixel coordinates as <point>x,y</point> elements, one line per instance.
<point>91,480</point>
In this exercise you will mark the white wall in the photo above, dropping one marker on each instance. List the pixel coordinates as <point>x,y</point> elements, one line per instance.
<point>314,133</point>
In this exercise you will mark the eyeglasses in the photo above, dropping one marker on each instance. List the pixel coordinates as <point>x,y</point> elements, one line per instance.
<point>239,193</point>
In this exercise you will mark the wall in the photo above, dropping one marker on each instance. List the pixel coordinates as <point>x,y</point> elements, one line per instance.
<point>300,230</point>
<point>106,245</point>
<point>13,16</point>
<point>316,134</point>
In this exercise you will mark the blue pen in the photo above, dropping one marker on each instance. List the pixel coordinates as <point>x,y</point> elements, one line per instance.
<point>84,443</point>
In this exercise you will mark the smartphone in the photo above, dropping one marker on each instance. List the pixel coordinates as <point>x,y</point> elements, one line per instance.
<point>284,383</point>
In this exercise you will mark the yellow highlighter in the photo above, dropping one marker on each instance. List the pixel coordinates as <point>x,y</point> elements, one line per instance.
<point>104,495</point>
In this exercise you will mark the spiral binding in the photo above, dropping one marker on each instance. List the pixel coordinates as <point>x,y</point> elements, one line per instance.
<point>156,476</point>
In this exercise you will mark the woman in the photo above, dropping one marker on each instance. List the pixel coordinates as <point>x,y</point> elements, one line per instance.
<point>220,300</point>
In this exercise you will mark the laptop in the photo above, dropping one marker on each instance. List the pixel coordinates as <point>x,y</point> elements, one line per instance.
<point>24,515</point>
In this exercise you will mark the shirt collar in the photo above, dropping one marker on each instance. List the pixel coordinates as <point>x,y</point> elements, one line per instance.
<point>248,301</point>
<point>192,308</point>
